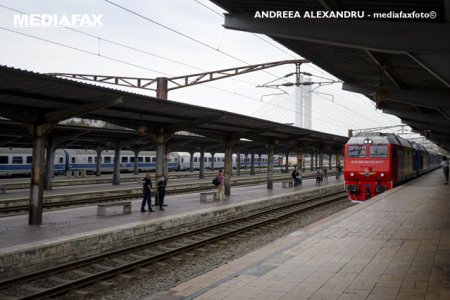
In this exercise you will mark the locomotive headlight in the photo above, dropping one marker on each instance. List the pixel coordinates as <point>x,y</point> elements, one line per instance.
<point>382,174</point>
<point>352,174</point>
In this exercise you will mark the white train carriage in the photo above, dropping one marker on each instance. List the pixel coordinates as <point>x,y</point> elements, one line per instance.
<point>17,161</point>
<point>219,160</point>
<point>87,160</point>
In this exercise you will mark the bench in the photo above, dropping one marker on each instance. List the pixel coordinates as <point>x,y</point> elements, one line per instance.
<point>204,196</point>
<point>287,184</point>
<point>2,190</point>
<point>101,208</point>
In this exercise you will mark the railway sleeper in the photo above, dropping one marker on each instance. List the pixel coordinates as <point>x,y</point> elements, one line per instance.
<point>161,265</point>
<point>59,280</point>
<point>102,267</point>
<point>175,260</point>
<point>119,261</point>
<point>144,270</point>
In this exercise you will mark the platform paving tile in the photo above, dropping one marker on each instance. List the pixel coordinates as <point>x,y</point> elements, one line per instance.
<point>396,246</point>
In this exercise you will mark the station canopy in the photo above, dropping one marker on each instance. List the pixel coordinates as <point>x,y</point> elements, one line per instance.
<point>28,98</point>
<point>397,53</point>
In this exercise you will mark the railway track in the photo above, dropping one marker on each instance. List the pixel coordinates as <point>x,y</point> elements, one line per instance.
<point>61,280</point>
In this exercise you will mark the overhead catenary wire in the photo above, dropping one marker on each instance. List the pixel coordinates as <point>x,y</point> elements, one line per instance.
<point>136,65</point>
<point>182,34</point>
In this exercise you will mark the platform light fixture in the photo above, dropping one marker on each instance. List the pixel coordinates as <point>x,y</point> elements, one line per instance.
<point>141,129</point>
<point>380,94</point>
<point>380,98</point>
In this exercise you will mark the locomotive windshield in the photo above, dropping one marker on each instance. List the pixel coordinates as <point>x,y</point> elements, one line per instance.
<point>357,151</point>
<point>379,151</point>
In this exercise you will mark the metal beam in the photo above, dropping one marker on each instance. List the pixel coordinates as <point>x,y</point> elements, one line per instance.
<point>394,37</point>
<point>436,65</point>
<point>433,99</point>
<point>81,110</point>
<point>384,67</point>
<point>421,117</point>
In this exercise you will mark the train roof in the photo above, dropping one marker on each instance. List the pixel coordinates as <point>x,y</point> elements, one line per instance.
<point>379,138</point>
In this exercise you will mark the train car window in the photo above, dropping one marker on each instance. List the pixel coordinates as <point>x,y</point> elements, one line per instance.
<point>124,159</point>
<point>107,159</point>
<point>182,159</point>
<point>89,159</point>
<point>356,151</point>
<point>140,159</point>
<point>61,160</point>
<point>73,159</point>
<point>131,159</point>
<point>153,159</point>
<point>195,159</point>
<point>29,159</point>
<point>148,159</point>
<point>17,160</point>
<point>3,160</point>
<point>379,151</point>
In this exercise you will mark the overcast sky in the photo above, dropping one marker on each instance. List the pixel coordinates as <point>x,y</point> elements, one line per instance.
<point>201,44</point>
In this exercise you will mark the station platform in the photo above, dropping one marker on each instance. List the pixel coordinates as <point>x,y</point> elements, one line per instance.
<point>72,233</point>
<point>394,246</point>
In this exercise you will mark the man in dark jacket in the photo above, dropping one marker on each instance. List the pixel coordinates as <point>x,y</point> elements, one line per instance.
<point>161,191</point>
<point>147,189</point>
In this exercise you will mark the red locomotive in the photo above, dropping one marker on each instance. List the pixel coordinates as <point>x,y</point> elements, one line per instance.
<point>377,162</point>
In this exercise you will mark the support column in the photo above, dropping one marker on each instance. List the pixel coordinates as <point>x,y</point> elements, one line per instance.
<point>260,160</point>
<point>329,162</point>
<point>49,164</point>
<point>166,161</point>
<point>338,163</point>
<point>201,173</point>
<point>52,144</point>
<point>116,171</point>
<point>300,157</point>
<point>160,140</point>
<point>40,132</point>
<point>270,151</point>
<point>136,162</point>
<point>252,164</point>
<point>238,163</point>
<point>245,160</point>
<point>286,165</point>
<point>316,160</point>
<point>212,160</point>
<point>228,166</point>
<point>98,170</point>
<point>312,161</point>
<point>321,159</point>
<point>191,161</point>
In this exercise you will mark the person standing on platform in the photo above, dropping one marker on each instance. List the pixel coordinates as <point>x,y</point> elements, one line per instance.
<point>221,186</point>
<point>318,177</point>
<point>445,167</point>
<point>325,175</point>
<point>147,189</point>
<point>161,191</point>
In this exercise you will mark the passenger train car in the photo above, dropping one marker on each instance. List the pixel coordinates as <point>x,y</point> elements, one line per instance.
<point>17,161</point>
<point>377,162</point>
<point>219,160</point>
